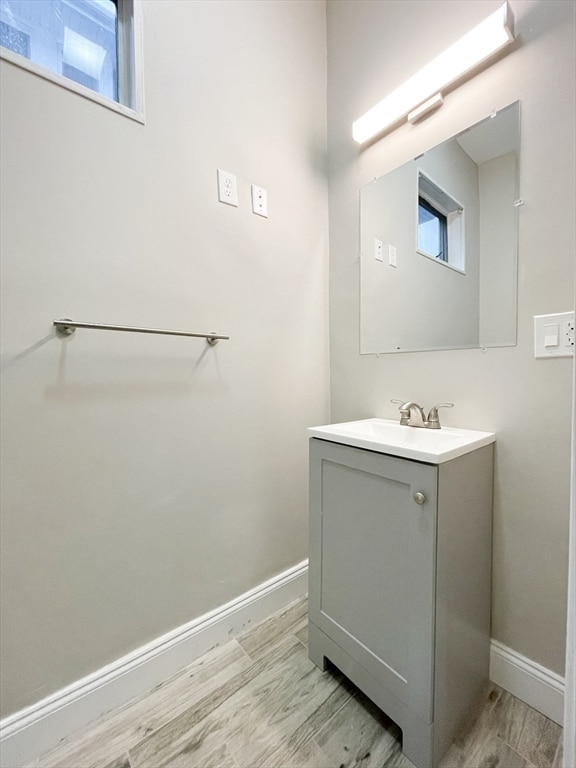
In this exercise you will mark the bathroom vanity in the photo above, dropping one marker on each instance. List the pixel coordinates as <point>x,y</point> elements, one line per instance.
<point>400,563</point>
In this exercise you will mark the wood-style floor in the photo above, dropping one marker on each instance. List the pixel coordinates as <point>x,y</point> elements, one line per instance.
<point>258,702</point>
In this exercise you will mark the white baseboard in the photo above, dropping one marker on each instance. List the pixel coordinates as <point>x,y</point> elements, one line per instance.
<point>27,734</point>
<point>535,685</point>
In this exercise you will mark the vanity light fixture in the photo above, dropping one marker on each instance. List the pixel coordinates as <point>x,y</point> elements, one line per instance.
<point>422,93</point>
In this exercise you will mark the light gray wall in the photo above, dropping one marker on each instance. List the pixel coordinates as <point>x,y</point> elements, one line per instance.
<point>147,480</point>
<point>373,47</point>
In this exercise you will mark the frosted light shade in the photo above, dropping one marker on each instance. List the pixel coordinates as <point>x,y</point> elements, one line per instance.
<point>476,46</point>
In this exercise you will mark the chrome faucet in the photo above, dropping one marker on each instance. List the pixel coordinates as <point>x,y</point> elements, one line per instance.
<point>407,408</point>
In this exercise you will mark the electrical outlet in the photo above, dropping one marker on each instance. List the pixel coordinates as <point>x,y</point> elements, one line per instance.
<point>569,333</point>
<point>259,201</point>
<point>227,188</point>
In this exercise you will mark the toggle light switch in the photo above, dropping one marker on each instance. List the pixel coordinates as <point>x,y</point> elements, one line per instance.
<point>551,335</point>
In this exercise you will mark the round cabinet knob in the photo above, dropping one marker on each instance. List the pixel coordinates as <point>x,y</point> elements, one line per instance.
<point>419,498</point>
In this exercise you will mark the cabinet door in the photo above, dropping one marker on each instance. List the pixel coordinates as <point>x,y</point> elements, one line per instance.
<point>372,564</point>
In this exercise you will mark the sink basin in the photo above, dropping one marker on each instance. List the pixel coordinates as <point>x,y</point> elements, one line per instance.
<point>432,446</point>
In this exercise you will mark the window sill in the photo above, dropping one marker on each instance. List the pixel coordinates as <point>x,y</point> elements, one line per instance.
<point>70,85</point>
<point>441,262</point>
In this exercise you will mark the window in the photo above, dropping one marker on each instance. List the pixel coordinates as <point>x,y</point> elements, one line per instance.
<point>16,41</point>
<point>432,231</point>
<point>86,43</point>
<point>440,225</point>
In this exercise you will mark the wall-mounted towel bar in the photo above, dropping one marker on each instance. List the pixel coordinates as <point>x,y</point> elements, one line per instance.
<point>66,327</point>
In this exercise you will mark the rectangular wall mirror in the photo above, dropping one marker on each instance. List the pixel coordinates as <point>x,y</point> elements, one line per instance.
<point>439,245</point>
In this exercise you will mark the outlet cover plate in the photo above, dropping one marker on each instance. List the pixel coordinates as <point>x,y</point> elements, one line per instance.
<point>259,201</point>
<point>227,188</point>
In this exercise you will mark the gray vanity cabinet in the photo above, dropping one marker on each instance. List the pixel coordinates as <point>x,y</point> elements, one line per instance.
<point>399,584</point>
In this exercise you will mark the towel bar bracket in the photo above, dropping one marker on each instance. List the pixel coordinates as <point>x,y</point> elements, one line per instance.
<point>62,329</point>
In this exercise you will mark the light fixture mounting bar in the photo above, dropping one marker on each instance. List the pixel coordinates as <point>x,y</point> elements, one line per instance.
<point>424,109</point>
<point>482,42</point>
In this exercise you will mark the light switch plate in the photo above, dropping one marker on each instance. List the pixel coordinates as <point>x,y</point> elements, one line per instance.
<point>554,335</point>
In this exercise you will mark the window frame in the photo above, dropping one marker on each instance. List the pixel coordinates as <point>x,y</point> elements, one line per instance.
<point>443,203</point>
<point>424,202</point>
<point>130,66</point>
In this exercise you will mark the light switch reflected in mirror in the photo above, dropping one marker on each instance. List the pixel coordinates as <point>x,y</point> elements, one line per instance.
<point>450,220</point>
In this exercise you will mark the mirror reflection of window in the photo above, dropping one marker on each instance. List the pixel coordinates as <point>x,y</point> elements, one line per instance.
<point>440,224</point>
<point>432,228</point>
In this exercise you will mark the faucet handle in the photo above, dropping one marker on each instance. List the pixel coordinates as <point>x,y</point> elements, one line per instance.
<point>405,414</point>
<point>433,422</point>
